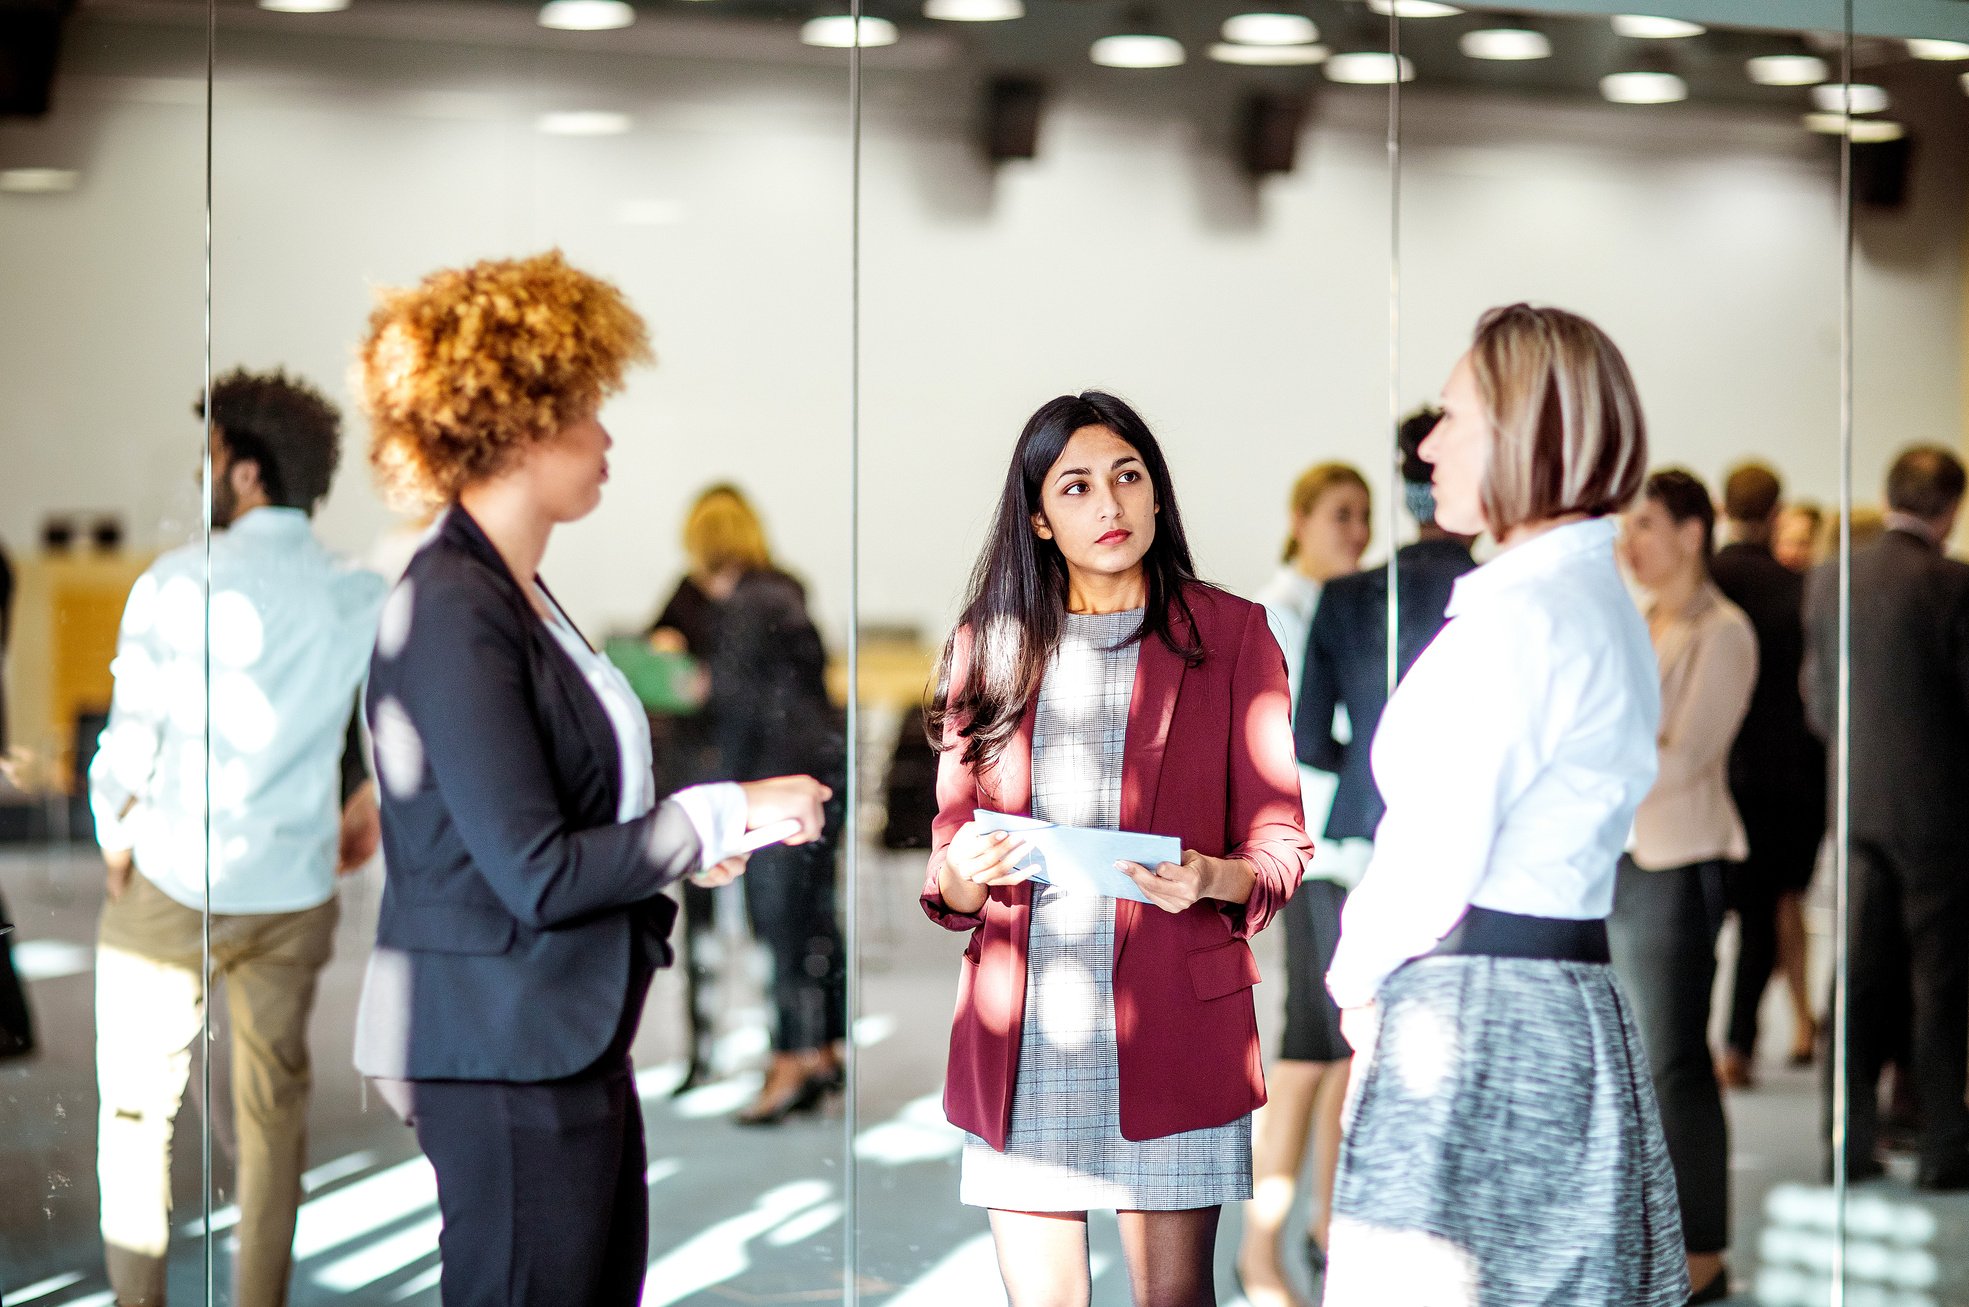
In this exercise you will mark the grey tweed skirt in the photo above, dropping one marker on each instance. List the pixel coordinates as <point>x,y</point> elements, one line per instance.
<point>1503,1148</point>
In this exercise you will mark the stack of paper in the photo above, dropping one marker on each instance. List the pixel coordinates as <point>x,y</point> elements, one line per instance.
<point>1081,860</point>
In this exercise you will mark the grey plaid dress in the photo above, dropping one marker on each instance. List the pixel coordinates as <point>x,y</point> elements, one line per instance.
<point>1065,1152</point>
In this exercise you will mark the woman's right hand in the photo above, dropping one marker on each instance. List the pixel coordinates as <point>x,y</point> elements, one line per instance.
<point>977,859</point>
<point>787,798</point>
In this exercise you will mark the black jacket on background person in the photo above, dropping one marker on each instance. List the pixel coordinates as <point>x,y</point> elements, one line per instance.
<point>769,709</point>
<point>1347,664</point>
<point>520,922</point>
<point>1775,754</point>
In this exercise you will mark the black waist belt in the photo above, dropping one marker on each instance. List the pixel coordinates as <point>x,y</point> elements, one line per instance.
<point>1485,933</point>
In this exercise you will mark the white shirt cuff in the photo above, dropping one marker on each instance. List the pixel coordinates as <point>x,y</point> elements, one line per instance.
<point>717,814</point>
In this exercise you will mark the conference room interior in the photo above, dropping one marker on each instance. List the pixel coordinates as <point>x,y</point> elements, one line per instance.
<point>863,268</point>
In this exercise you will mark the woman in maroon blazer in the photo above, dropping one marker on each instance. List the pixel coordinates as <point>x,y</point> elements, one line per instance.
<point>1105,1051</point>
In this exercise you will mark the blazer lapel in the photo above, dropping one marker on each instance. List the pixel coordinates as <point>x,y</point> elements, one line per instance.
<point>1158,680</point>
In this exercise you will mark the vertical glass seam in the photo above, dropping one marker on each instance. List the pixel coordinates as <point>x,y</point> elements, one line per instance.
<point>1842,750</point>
<point>850,1115</point>
<point>1394,346</point>
<point>209,1248</point>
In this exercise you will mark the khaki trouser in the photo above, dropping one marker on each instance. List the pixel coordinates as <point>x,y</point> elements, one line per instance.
<point>150,1000</point>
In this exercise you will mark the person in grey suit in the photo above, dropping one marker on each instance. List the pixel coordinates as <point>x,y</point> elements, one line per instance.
<point>523,913</point>
<point>1910,834</point>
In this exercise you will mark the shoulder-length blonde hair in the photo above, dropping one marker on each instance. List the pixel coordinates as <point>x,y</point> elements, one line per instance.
<point>1311,487</point>
<point>1570,437</point>
<point>722,530</point>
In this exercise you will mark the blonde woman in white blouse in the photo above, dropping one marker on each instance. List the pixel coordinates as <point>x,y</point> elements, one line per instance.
<point>1503,1143</point>
<point>1668,902</point>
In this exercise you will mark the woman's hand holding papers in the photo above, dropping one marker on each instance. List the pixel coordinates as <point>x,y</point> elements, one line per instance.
<point>1176,886</point>
<point>976,860</point>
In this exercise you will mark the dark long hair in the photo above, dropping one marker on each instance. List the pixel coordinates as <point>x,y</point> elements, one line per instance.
<point>1017,601</point>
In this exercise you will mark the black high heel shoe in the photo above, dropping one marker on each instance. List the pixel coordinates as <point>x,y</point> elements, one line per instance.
<point>803,1098</point>
<point>1716,1290</point>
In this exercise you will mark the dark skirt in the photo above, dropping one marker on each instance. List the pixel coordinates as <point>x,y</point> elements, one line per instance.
<point>1312,932</point>
<point>1503,1147</point>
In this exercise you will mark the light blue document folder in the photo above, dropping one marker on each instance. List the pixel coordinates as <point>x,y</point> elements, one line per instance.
<point>1081,860</point>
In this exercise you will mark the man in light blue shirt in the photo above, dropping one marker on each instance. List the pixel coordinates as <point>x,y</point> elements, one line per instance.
<point>291,626</point>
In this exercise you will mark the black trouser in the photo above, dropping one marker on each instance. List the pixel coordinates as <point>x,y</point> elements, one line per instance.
<point>1906,938</point>
<point>541,1187</point>
<point>789,896</point>
<point>1784,840</point>
<point>700,917</point>
<point>1663,938</point>
<point>16,1023</point>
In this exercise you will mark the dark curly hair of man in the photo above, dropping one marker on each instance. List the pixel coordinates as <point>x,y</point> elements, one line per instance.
<point>284,426</point>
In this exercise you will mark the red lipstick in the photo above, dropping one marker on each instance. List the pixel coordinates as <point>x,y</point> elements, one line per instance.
<point>1114,537</point>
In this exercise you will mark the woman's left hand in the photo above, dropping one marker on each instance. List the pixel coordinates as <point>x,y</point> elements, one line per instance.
<point>1176,886</point>
<point>724,873</point>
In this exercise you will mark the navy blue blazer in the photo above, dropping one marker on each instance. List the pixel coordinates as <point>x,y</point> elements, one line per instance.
<point>1347,664</point>
<point>520,923</point>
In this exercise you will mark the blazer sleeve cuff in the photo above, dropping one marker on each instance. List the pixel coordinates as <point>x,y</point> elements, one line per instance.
<point>936,910</point>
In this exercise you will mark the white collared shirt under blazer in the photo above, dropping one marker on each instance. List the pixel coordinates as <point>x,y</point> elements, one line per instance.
<point>1512,757</point>
<point>1708,658</point>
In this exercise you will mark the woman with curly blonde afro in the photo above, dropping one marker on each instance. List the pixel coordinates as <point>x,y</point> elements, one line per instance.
<point>523,915</point>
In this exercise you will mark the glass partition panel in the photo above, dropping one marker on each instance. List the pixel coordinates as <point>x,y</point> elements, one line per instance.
<point>1899,1105</point>
<point>695,159</point>
<point>102,165</point>
<point>1169,205</point>
<point>1659,177</point>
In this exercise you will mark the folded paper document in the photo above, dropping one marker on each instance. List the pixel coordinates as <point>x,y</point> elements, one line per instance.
<point>1081,860</point>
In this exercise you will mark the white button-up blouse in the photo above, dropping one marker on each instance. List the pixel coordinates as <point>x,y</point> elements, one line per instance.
<point>1512,757</point>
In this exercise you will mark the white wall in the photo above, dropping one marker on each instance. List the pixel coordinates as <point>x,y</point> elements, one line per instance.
<point>1250,326</point>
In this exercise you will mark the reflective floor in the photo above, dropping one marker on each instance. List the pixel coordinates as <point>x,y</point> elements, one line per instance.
<point>738,1215</point>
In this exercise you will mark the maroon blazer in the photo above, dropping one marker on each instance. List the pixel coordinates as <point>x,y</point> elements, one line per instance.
<point>1208,759</point>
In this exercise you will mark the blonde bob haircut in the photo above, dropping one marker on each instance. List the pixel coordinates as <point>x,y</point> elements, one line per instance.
<point>1312,486</point>
<point>722,531</point>
<point>1569,433</point>
<point>463,372</point>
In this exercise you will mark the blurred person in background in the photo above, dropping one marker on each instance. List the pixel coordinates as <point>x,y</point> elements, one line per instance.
<point>1331,520</point>
<point>526,852</point>
<point>1795,536</point>
<point>1669,898</point>
<point>291,626</point>
<point>1343,690</point>
<point>769,713</point>
<point>1777,775</point>
<point>16,1023</point>
<point>1909,771</point>
<point>719,530</point>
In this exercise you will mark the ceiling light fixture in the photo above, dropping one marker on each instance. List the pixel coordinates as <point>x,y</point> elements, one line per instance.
<point>974,11</point>
<point>1137,50</point>
<point>1648,27</point>
<point>1643,87</point>
<point>1270,29</point>
<point>1787,69</point>
<point>1940,51</point>
<point>1413,8</point>
<point>1269,56</point>
<point>1858,97</point>
<point>304,6</point>
<point>1864,131</point>
<point>583,122</point>
<point>839,32</point>
<point>38,181</point>
<point>1514,44</point>
<point>586,15</point>
<point>1369,68</point>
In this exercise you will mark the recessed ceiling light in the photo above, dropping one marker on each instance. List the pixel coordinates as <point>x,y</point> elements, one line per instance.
<point>38,181</point>
<point>586,15</point>
<point>1368,68</point>
<point>583,122</point>
<point>1787,69</point>
<point>1647,27</point>
<point>1507,43</point>
<point>837,32</point>
<point>1137,50</point>
<point>1413,8</point>
<point>1643,88</point>
<point>1856,98</point>
<point>974,11</point>
<point>1270,29</point>
<point>1269,56</point>
<point>1940,51</point>
<point>1864,131</point>
<point>304,6</point>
